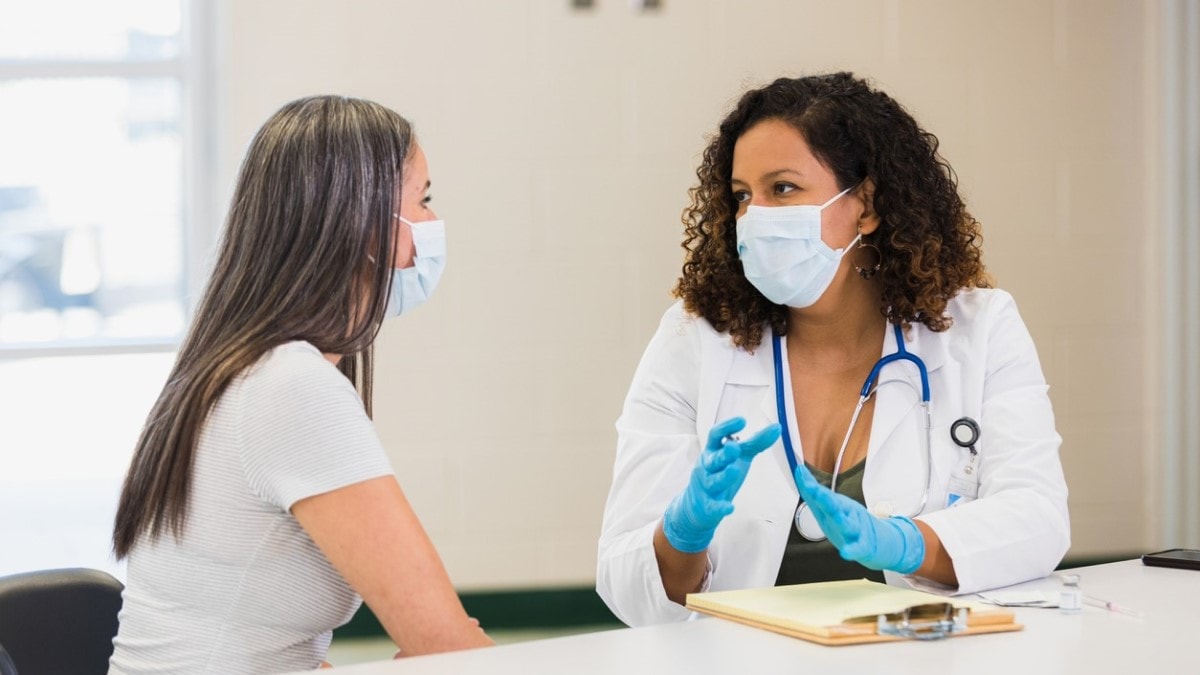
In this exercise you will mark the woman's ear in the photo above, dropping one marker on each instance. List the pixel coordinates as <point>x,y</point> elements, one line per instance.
<point>868,220</point>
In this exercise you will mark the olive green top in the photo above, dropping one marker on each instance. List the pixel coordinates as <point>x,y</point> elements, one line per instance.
<point>807,561</point>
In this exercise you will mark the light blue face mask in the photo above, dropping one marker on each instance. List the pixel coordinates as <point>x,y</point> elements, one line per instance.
<point>782,253</point>
<point>412,286</point>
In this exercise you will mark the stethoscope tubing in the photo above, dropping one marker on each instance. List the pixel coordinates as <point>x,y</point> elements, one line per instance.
<point>868,390</point>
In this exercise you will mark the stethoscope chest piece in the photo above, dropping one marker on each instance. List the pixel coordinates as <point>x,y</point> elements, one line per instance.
<point>807,525</point>
<point>965,433</point>
<point>810,529</point>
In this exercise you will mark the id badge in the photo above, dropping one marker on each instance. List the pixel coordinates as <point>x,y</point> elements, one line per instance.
<point>963,486</point>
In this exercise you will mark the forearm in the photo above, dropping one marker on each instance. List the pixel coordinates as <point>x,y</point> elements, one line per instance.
<point>681,573</point>
<point>370,534</point>
<point>937,566</point>
<point>424,617</point>
<point>430,620</point>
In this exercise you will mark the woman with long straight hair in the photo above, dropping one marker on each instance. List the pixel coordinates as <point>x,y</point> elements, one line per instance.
<point>260,509</point>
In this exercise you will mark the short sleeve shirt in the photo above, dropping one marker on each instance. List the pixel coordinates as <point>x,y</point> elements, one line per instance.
<point>244,589</point>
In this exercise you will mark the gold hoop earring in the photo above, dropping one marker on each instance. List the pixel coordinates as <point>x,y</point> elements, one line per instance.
<point>868,270</point>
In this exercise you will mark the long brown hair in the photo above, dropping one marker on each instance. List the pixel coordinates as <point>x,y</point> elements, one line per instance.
<point>312,206</point>
<point>930,245</point>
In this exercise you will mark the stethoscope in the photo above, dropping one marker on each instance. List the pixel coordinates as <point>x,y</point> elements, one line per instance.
<point>806,522</point>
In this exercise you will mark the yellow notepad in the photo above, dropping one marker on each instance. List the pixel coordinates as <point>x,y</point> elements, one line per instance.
<point>837,612</point>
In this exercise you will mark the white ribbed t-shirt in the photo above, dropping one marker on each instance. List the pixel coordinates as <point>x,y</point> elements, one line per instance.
<point>245,590</point>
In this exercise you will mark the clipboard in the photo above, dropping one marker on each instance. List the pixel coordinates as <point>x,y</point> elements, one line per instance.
<point>853,612</point>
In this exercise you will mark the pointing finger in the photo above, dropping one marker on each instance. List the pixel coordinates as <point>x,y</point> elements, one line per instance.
<point>760,441</point>
<point>717,434</point>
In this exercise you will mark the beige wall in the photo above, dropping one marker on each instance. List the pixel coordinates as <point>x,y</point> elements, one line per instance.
<point>561,147</point>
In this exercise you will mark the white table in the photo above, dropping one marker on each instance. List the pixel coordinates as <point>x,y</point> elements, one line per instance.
<point>1095,641</point>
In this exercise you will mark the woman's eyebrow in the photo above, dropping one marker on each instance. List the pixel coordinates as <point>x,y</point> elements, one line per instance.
<point>779,172</point>
<point>769,176</point>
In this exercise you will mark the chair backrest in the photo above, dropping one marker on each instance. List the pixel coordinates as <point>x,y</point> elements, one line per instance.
<point>7,667</point>
<point>59,621</point>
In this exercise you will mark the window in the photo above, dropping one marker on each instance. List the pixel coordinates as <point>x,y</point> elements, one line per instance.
<point>91,186</point>
<point>102,108</point>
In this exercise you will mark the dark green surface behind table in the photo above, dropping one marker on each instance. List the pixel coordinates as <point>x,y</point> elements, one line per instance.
<point>534,608</point>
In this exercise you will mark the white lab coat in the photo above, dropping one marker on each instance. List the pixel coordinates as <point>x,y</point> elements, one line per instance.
<point>984,367</point>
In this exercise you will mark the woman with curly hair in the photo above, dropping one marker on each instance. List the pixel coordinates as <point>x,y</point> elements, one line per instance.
<point>833,295</point>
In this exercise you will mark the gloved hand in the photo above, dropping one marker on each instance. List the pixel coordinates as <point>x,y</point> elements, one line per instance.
<point>878,543</point>
<point>692,517</point>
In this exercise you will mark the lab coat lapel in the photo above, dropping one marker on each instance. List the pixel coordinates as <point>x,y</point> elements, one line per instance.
<point>756,370</point>
<point>754,373</point>
<point>776,473</point>
<point>716,361</point>
<point>768,406</point>
<point>722,365</point>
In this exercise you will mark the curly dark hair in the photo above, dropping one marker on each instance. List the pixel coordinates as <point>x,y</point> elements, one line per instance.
<point>930,245</point>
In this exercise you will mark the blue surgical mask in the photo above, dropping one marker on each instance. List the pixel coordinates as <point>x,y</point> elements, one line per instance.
<point>412,286</point>
<point>782,253</point>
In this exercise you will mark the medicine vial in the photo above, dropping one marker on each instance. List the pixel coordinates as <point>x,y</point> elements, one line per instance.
<point>1071,598</point>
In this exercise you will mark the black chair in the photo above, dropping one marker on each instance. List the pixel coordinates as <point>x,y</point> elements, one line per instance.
<point>58,621</point>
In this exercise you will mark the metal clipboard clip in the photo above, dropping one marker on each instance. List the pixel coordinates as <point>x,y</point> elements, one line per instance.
<point>923,622</point>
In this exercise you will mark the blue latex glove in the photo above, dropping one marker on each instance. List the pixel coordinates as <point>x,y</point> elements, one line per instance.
<point>878,543</point>
<point>692,517</point>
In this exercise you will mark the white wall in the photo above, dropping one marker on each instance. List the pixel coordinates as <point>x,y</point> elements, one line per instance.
<point>562,144</point>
